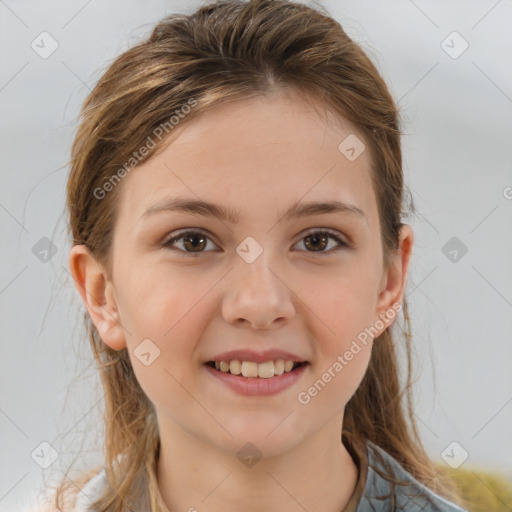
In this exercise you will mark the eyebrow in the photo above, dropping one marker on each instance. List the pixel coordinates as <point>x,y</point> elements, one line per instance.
<point>206,209</point>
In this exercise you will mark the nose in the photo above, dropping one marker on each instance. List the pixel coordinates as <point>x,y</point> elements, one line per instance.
<point>257,295</point>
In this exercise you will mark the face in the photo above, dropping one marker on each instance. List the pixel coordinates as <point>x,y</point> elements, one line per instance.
<point>188,287</point>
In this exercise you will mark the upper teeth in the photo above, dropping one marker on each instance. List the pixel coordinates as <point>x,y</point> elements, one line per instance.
<point>251,369</point>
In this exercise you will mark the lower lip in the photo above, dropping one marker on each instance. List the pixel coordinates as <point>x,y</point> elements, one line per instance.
<point>256,386</point>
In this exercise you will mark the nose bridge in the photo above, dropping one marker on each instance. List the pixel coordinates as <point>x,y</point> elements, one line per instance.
<point>257,266</point>
<point>259,294</point>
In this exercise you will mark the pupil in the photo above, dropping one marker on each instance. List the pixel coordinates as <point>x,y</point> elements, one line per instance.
<point>316,238</point>
<point>192,237</point>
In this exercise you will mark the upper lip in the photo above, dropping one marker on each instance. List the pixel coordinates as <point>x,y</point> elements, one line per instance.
<point>257,357</point>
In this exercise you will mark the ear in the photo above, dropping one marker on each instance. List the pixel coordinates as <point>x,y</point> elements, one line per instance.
<point>394,279</point>
<point>98,294</point>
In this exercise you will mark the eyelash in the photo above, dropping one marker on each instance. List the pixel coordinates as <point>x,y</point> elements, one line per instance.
<point>330,234</point>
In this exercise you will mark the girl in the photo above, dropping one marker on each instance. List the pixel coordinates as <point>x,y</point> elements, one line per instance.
<point>235,203</point>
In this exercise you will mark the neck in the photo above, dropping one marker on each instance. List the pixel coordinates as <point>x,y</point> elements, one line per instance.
<point>317,475</point>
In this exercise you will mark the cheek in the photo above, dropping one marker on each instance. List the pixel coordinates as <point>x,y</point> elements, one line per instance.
<point>337,381</point>
<point>171,329</point>
<point>342,311</point>
<point>157,302</point>
<point>344,305</point>
<point>162,316</point>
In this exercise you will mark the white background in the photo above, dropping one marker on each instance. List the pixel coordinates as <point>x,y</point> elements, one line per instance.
<point>458,165</point>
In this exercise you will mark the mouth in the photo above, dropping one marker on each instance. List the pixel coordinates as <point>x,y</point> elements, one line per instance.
<point>251,369</point>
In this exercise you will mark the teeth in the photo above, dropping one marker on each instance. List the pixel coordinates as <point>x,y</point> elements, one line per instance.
<point>264,370</point>
<point>235,367</point>
<point>249,369</point>
<point>278,367</point>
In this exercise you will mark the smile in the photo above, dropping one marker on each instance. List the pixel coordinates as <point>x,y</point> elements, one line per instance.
<point>251,369</point>
<point>251,384</point>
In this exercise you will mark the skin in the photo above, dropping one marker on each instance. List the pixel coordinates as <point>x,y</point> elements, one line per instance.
<point>258,157</point>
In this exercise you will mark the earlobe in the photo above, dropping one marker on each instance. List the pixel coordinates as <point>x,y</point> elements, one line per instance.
<point>98,295</point>
<point>394,279</point>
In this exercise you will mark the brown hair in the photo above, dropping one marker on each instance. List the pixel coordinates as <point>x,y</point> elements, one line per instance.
<point>224,51</point>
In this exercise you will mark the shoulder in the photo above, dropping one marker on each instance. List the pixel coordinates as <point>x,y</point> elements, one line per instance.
<point>410,494</point>
<point>91,491</point>
<point>90,486</point>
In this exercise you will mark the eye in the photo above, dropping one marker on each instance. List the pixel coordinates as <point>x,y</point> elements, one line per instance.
<point>319,240</point>
<point>194,242</point>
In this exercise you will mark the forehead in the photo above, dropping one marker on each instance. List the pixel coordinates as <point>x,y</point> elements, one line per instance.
<point>254,156</point>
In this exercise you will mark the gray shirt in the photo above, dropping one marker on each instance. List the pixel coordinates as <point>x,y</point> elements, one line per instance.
<point>372,492</point>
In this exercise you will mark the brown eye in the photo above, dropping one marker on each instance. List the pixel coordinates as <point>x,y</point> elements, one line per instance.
<point>318,241</point>
<point>195,242</point>
<point>192,241</point>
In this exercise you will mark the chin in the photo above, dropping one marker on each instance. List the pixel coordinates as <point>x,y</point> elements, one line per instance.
<point>266,438</point>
